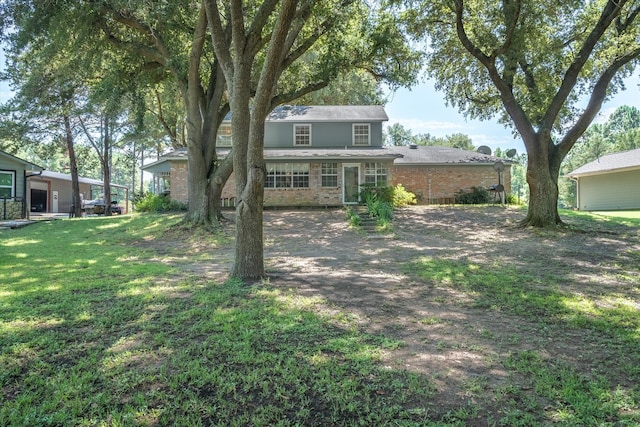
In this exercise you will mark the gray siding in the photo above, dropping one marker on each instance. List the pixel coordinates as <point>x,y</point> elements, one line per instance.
<point>9,165</point>
<point>612,191</point>
<point>323,135</point>
<point>64,189</point>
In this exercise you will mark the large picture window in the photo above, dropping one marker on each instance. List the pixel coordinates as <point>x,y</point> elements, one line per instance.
<point>302,135</point>
<point>361,134</point>
<point>329,174</point>
<point>7,184</point>
<point>287,175</point>
<point>224,135</point>
<point>375,174</point>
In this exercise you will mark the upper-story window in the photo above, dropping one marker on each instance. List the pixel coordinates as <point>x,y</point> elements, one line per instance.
<point>301,134</point>
<point>361,134</point>
<point>224,135</point>
<point>7,184</point>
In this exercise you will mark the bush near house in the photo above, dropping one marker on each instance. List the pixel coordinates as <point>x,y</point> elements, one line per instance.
<point>473,196</point>
<point>381,201</point>
<point>149,202</point>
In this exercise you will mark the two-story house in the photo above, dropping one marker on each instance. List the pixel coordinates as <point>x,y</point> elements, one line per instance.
<point>322,155</point>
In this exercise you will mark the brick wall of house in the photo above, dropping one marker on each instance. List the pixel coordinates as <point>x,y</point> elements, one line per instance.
<point>179,182</point>
<point>312,196</point>
<point>431,184</point>
<point>438,184</point>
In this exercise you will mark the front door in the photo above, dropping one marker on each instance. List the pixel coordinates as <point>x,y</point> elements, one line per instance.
<point>54,202</point>
<point>351,183</point>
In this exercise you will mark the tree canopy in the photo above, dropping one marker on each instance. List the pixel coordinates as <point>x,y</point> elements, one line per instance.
<point>532,63</point>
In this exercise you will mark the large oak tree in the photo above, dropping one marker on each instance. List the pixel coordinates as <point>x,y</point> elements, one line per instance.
<point>545,66</point>
<point>280,50</point>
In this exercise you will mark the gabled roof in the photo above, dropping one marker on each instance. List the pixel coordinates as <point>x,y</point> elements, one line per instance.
<point>610,163</point>
<point>163,164</point>
<point>438,155</point>
<point>26,164</point>
<point>332,113</point>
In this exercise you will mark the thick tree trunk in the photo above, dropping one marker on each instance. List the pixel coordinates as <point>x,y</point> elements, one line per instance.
<point>249,259</point>
<point>248,166</point>
<point>198,203</point>
<point>542,176</point>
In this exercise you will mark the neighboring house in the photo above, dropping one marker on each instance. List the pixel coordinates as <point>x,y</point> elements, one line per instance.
<point>609,183</point>
<point>323,155</point>
<point>13,185</point>
<point>52,192</point>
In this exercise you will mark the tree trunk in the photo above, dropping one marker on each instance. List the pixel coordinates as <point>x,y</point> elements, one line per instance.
<point>543,171</point>
<point>219,179</point>
<point>106,166</point>
<point>248,166</point>
<point>249,259</point>
<point>76,203</point>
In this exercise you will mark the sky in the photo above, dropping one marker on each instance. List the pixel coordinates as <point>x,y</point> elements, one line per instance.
<point>423,110</point>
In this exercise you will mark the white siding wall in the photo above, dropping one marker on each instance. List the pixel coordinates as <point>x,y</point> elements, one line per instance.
<point>612,191</point>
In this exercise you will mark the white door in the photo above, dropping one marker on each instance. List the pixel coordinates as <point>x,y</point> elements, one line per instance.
<point>54,202</point>
<point>350,183</point>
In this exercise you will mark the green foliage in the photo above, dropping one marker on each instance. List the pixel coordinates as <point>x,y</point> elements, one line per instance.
<point>352,217</point>
<point>473,196</point>
<point>512,199</point>
<point>150,202</point>
<point>114,333</point>
<point>621,132</point>
<point>396,134</point>
<point>402,197</point>
<point>381,202</point>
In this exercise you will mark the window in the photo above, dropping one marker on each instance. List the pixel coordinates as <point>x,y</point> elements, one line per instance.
<point>287,175</point>
<point>361,134</point>
<point>301,134</point>
<point>224,135</point>
<point>329,174</point>
<point>7,184</point>
<point>375,174</point>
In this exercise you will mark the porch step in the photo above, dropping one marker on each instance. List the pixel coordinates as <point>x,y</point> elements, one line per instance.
<point>367,222</point>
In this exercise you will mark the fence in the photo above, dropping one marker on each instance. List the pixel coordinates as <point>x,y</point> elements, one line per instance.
<point>11,208</point>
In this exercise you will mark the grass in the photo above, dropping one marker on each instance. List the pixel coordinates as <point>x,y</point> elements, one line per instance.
<point>101,325</point>
<point>98,328</point>
<point>561,393</point>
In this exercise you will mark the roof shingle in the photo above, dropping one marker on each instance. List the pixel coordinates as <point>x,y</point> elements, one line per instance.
<point>610,163</point>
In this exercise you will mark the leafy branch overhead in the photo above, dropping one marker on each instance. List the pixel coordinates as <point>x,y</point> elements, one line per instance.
<point>544,67</point>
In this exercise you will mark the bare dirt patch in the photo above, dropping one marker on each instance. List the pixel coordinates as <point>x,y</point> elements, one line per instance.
<point>461,346</point>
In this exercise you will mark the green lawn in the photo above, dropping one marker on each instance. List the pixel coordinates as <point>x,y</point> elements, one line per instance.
<point>97,330</point>
<point>100,327</point>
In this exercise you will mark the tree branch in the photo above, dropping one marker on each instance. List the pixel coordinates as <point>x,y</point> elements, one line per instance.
<point>596,99</point>
<point>609,13</point>
<point>514,109</point>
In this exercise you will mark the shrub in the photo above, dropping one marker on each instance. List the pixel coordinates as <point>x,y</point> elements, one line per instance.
<point>157,203</point>
<point>397,196</point>
<point>474,196</point>
<point>368,191</point>
<point>402,197</point>
<point>352,217</point>
<point>512,199</point>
